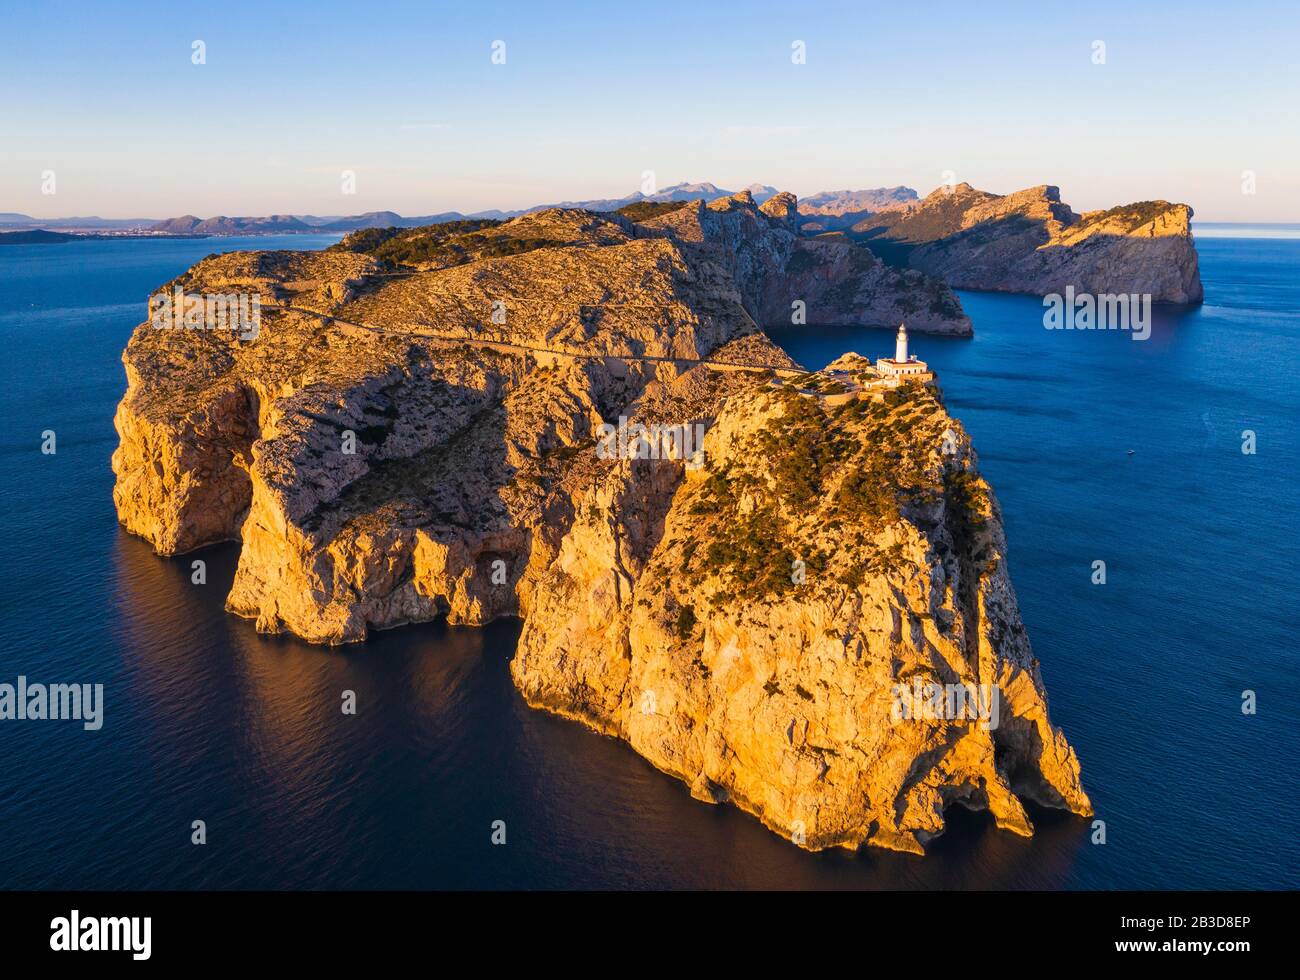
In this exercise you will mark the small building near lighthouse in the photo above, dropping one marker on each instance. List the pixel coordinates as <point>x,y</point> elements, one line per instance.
<point>903,366</point>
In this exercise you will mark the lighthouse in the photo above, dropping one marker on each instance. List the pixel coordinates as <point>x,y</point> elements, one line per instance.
<point>903,366</point>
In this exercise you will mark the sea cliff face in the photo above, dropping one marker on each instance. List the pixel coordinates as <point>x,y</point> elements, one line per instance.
<point>748,625</point>
<point>748,613</point>
<point>1031,242</point>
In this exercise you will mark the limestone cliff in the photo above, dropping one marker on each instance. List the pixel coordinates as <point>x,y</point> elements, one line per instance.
<point>746,626</point>
<point>416,431</point>
<point>1031,242</point>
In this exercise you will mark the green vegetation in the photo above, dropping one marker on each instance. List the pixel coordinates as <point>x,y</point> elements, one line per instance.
<point>364,240</point>
<point>685,622</point>
<point>480,246</point>
<point>1132,215</point>
<point>645,210</point>
<point>448,244</point>
<point>367,240</point>
<point>967,502</point>
<point>841,475</point>
<point>802,450</point>
<point>756,559</point>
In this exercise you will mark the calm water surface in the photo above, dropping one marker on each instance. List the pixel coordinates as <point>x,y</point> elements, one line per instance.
<point>207,720</point>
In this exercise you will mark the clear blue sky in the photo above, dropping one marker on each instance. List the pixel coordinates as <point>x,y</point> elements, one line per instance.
<point>592,94</point>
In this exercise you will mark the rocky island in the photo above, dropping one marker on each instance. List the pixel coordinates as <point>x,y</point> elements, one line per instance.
<point>419,428</point>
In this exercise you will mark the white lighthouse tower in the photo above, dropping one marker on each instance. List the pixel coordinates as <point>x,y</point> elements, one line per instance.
<point>903,366</point>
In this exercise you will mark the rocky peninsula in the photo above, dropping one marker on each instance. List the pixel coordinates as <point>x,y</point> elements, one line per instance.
<point>414,431</point>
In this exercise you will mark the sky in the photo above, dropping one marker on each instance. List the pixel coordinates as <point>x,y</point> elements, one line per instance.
<point>107,98</point>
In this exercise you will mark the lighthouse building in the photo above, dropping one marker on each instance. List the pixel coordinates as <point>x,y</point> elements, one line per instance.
<point>902,365</point>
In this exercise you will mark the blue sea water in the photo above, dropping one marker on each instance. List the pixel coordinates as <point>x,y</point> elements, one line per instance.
<point>206,720</point>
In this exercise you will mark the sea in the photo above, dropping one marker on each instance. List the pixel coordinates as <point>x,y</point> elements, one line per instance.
<point>1173,460</point>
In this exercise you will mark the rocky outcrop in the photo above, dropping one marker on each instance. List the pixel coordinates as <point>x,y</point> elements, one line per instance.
<point>748,627</point>
<point>827,280</point>
<point>399,443</point>
<point>1031,242</point>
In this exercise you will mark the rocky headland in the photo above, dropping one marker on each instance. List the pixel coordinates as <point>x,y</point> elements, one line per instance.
<point>1032,242</point>
<point>417,430</point>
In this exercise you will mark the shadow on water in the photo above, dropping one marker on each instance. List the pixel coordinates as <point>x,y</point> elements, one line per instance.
<point>247,733</point>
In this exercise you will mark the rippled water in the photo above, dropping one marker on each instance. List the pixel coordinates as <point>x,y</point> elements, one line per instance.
<point>207,720</point>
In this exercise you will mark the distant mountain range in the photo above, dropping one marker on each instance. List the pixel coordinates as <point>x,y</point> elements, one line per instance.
<point>278,224</point>
<point>839,203</point>
<point>834,207</point>
<point>678,192</point>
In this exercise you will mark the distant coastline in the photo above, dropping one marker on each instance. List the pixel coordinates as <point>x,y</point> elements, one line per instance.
<point>40,236</point>
<point>1245,229</point>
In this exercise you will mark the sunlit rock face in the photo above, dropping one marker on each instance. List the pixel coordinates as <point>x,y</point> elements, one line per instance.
<point>749,624</point>
<point>1032,242</point>
<point>418,430</point>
